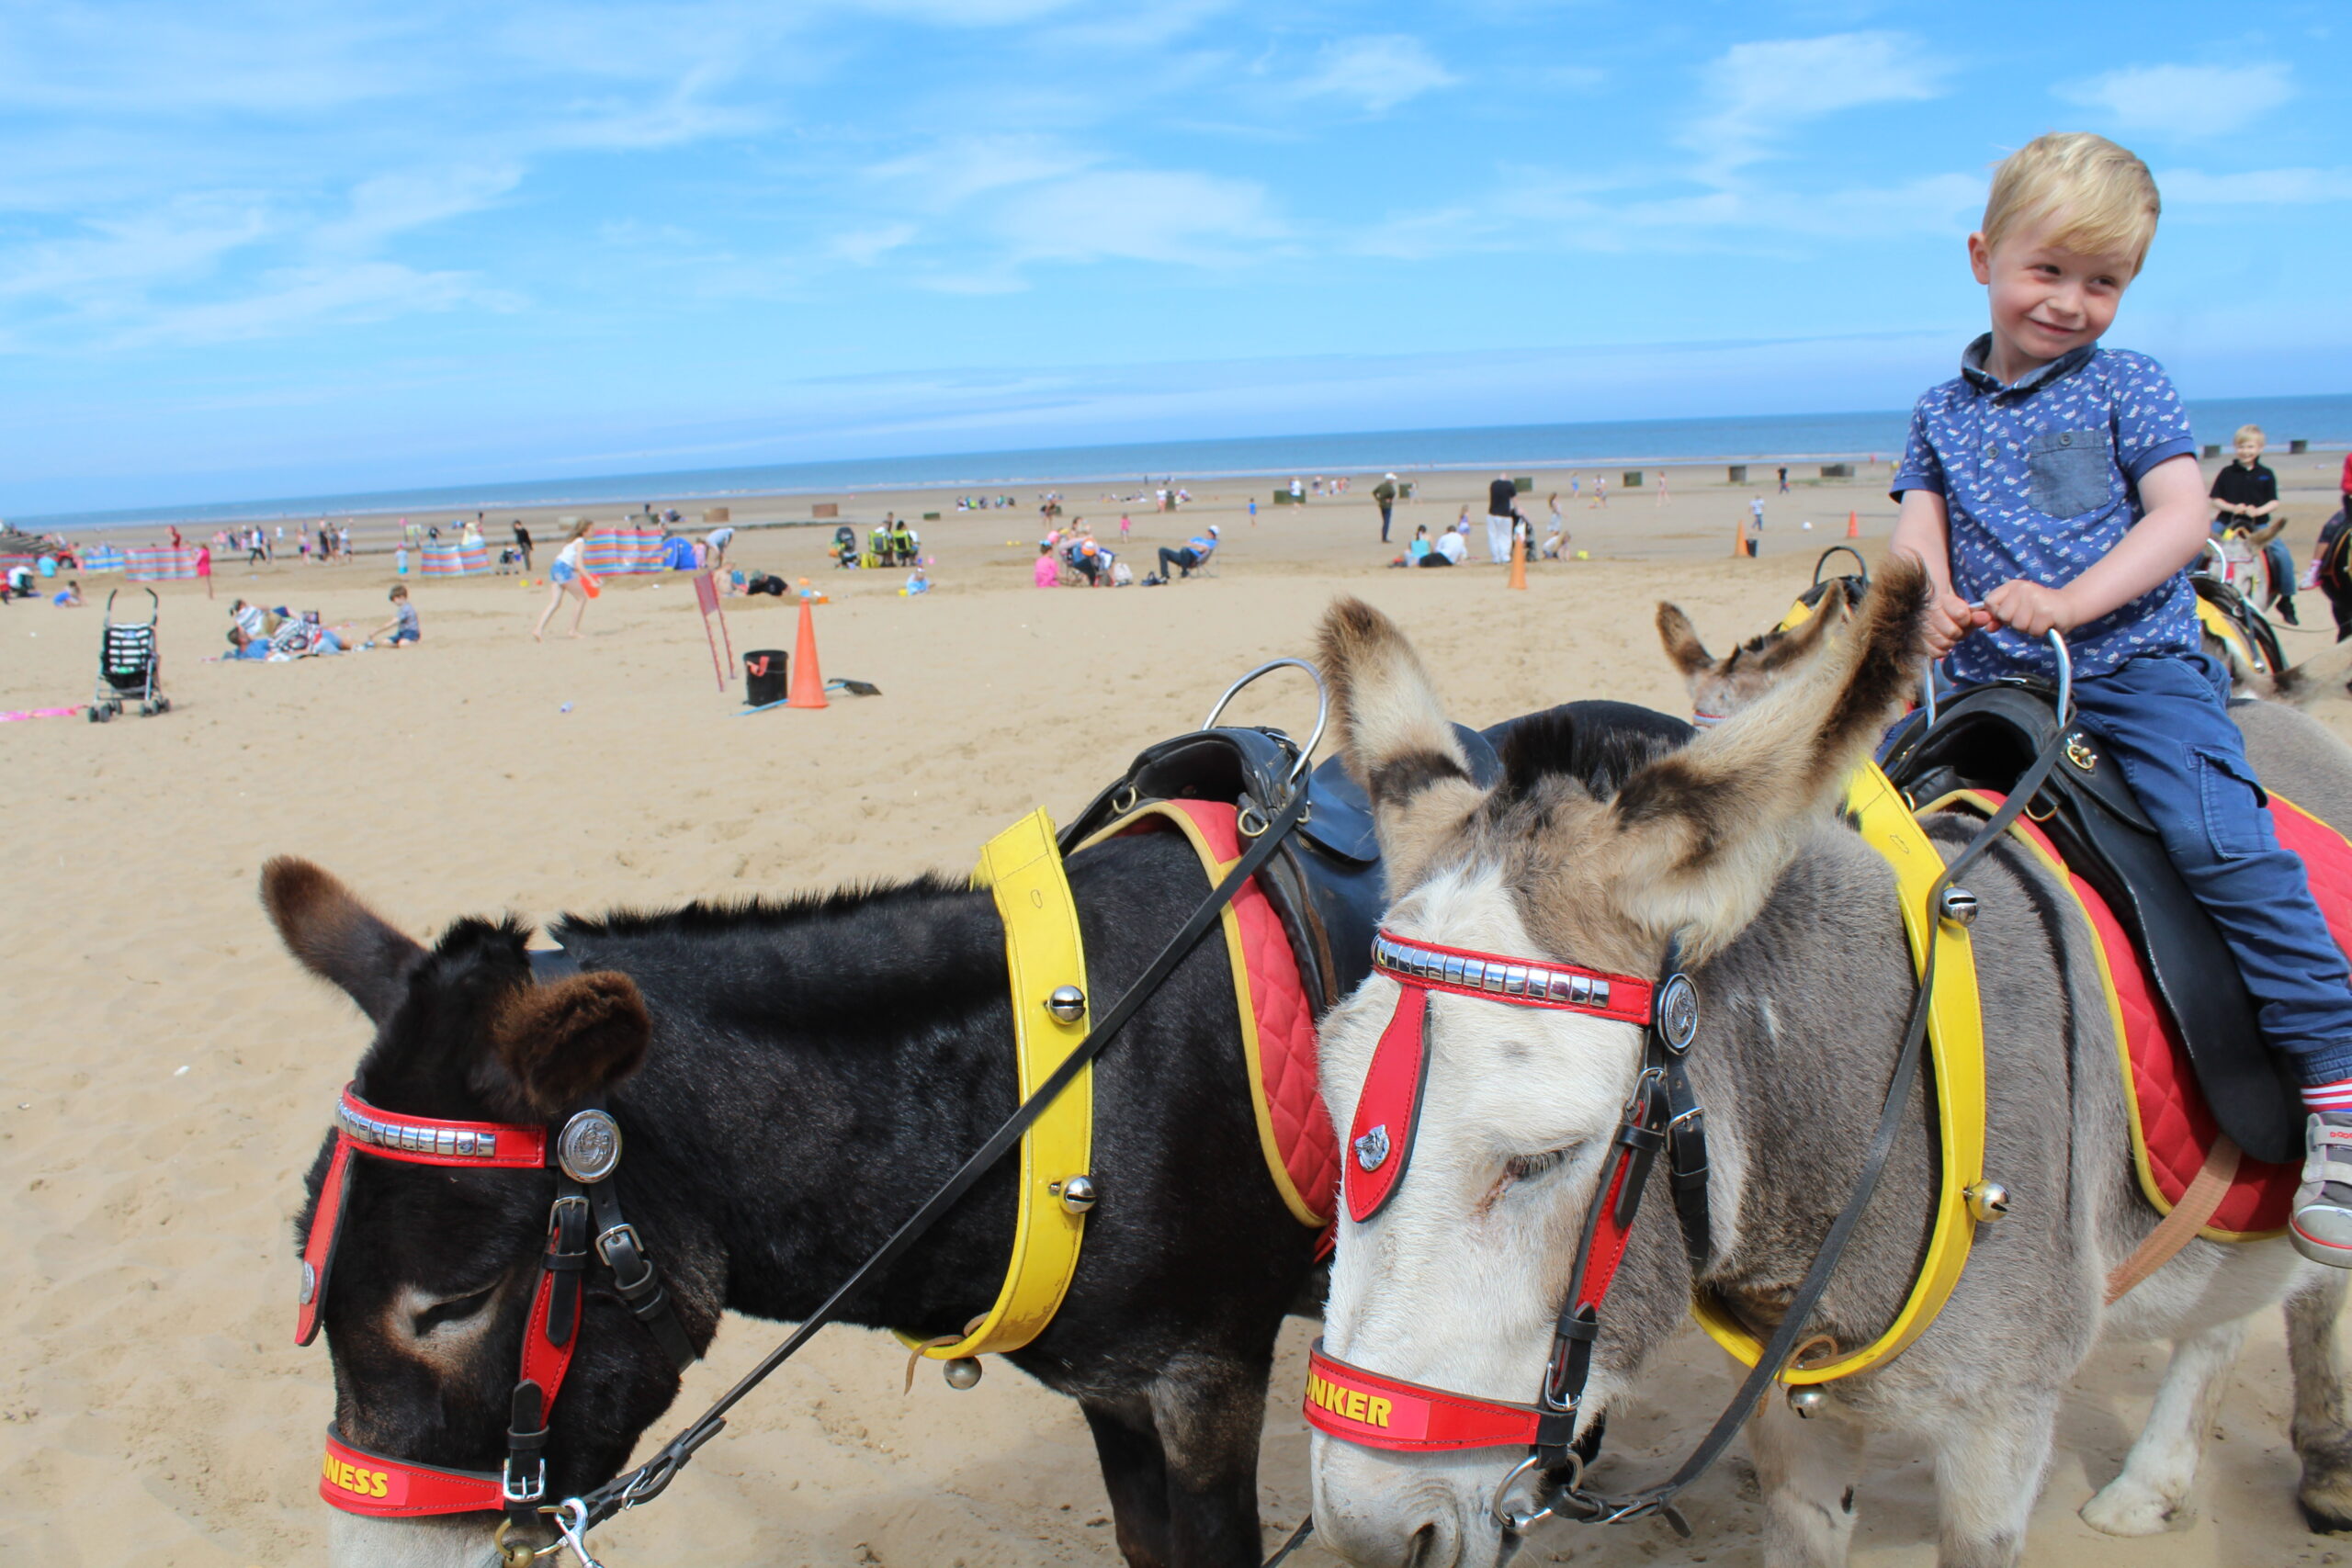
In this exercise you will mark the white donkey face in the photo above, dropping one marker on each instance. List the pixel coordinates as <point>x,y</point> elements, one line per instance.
<point>1456,1281</point>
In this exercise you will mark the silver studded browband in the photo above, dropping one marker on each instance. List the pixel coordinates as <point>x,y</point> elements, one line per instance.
<point>442,1141</point>
<point>1528,982</point>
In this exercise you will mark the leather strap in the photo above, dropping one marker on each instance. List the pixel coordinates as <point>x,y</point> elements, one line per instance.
<point>1043,951</point>
<point>1389,1109</point>
<point>2176,1230</point>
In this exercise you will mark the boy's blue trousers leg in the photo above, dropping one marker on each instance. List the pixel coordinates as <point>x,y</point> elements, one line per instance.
<point>2165,721</point>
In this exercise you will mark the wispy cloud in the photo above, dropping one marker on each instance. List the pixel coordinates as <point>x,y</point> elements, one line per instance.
<point>2183,102</point>
<point>1378,72</point>
<point>2254,188</point>
<point>1761,91</point>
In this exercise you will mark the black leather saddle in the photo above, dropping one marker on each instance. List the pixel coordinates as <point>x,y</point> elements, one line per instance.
<point>1985,737</point>
<point>1327,883</point>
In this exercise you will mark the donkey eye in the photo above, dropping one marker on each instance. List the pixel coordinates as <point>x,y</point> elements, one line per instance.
<point>1526,1167</point>
<point>457,1309</point>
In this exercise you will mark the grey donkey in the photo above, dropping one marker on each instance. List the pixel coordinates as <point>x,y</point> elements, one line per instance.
<point>1788,924</point>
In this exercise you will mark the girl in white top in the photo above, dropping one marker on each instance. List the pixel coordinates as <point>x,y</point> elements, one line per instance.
<point>568,575</point>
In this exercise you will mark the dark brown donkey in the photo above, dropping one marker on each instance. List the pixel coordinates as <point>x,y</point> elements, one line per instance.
<point>791,1080</point>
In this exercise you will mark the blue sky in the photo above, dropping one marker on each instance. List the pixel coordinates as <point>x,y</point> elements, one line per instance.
<point>254,250</point>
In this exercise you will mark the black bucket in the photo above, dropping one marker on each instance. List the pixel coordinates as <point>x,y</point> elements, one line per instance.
<point>764,679</point>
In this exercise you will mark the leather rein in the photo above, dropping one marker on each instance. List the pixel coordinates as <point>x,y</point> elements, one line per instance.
<point>1359,1405</point>
<point>364,1482</point>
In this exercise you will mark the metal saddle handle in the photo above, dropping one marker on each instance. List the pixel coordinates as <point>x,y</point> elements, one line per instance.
<point>2057,640</point>
<point>1322,711</point>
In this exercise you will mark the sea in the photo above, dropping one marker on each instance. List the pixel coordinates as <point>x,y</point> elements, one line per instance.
<point>2324,420</point>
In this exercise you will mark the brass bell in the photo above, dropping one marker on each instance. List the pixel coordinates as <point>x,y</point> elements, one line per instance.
<point>1067,1003</point>
<point>1076,1193</point>
<point>1987,1200</point>
<point>1959,907</point>
<point>1806,1400</point>
<point>962,1372</point>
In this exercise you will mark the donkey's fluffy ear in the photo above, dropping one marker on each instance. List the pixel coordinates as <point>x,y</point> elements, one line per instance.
<point>337,937</point>
<point>559,1043</point>
<point>1799,641</point>
<point>1683,648</point>
<point>1393,733</point>
<point>1705,832</point>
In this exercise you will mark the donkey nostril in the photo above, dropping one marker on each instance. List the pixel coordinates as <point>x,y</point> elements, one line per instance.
<point>1424,1538</point>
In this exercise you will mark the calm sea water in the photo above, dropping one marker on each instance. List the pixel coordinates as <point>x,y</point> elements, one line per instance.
<point>2324,420</point>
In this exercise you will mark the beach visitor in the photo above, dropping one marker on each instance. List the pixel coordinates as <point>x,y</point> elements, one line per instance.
<point>2245,501</point>
<point>718,539</point>
<point>1047,573</point>
<point>403,624</point>
<point>522,543</point>
<point>1385,493</point>
<point>2331,569</point>
<point>1559,528</point>
<point>1502,506</point>
<point>1756,512</point>
<point>68,597</point>
<point>1253,512</point>
<point>565,577</point>
<point>1419,549</point>
<point>1297,492</point>
<point>1661,487</point>
<point>1125,528</point>
<point>2023,531</point>
<point>343,543</point>
<point>1784,479</point>
<point>1196,553</point>
<point>1452,547</point>
<point>1556,543</point>
<point>1600,490</point>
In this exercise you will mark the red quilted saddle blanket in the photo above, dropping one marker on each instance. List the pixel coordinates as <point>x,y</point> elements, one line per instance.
<point>1277,1025</point>
<point>2172,1131</point>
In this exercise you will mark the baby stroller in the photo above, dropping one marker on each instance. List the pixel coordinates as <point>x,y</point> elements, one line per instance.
<point>127,668</point>
<point>845,545</point>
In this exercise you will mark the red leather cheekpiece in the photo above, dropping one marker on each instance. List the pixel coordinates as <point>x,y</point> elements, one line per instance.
<point>1390,1110</point>
<point>1360,1406</point>
<point>358,1481</point>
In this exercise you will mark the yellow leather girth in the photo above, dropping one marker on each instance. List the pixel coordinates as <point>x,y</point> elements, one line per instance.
<point>1956,1049</point>
<point>2210,617</point>
<point>1024,868</point>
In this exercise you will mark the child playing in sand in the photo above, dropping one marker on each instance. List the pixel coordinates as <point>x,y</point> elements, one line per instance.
<point>567,576</point>
<point>402,626</point>
<point>2053,486</point>
<point>1046,573</point>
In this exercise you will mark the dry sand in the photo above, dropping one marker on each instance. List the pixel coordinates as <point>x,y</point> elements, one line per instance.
<point>169,1072</point>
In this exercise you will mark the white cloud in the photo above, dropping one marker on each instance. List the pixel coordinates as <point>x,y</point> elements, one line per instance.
<point>2182,101</point>
<point>1762,90</point>
<point>1379,73</point>
<point>2255,188</point>
<point>302,297</point>
<point>389,205</point>
<point>1138,215</point>
<point>954,172</point>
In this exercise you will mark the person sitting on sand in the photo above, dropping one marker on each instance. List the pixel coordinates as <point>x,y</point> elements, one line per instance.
<point>402,626</point>
<point>1452,547</point>
<point>566,576</point>
<point>1047,573</point>
<point>68,597</point>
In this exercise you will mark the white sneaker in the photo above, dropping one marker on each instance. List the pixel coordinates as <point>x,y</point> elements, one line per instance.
<point>2321,1226</point>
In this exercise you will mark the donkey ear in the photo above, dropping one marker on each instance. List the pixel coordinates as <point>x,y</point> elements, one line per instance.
<point>558,1043</point>
<point>1705,832</point>
<point>337,937</point>
<point>1799,641</point>
<point>1683,648</point>
<point>1393,734</point>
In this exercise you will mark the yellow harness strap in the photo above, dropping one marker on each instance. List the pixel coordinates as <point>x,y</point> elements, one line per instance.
<point>2211,619</point>
<point>1024,868</point>
<point>1956,1047</point>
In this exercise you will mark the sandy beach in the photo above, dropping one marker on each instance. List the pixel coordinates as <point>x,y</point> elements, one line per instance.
<point>169,1072</point>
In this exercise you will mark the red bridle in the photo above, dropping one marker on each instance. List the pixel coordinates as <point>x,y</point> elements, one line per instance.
<point>1359,1405</point>
<point>585,1154</point>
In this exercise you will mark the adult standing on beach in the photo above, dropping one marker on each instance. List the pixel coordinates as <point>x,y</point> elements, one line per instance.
<point>567,576</point>
<point>1784,479</point>
<point>718,539</point>
<point>1503,508</point>
<point>1385,492</point>
<point>522,543</point>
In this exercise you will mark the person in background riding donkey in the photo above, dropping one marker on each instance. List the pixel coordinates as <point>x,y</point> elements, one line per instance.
<point>2245,501</point>
<point>2053,485</point>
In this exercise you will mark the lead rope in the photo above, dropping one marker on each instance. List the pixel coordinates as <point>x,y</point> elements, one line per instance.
<point>647,1480</point>
<point>1658,1499</point>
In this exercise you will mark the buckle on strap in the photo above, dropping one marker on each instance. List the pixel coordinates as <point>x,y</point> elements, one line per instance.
<point>619,1248</point>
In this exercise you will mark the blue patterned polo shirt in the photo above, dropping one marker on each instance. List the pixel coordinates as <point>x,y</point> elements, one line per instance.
<point>2039,480</point>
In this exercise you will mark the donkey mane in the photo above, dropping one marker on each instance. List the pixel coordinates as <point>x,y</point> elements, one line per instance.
<point>708,917</point>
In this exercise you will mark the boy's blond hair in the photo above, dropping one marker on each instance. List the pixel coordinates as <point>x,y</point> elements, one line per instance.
<point>2249,432</point>
<point>2100,197</point>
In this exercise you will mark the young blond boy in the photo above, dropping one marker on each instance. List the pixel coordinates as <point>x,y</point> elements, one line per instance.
<point>2245,499</point>
<point>2053,485</point>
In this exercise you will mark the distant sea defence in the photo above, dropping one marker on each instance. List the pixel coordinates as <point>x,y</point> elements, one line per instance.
<point>2324,420</point>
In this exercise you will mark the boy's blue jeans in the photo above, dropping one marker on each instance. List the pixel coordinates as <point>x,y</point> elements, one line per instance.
<point>2165,720</point>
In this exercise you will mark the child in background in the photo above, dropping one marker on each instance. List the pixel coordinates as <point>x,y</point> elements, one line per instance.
<point>1125,529</point>
<point>1046,574</point>
<point>402,626</point>
<point>2053,486</point>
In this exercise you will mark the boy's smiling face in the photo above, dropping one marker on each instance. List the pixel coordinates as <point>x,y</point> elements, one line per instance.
<point>2047,300</point>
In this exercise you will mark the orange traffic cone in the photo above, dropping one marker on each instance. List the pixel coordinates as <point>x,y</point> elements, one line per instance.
<point>1518,561</point>
<point>1853,524</point>
<point>808,682</point>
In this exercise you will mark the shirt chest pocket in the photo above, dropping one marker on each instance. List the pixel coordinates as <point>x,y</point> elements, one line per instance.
<point>2069,472</point>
